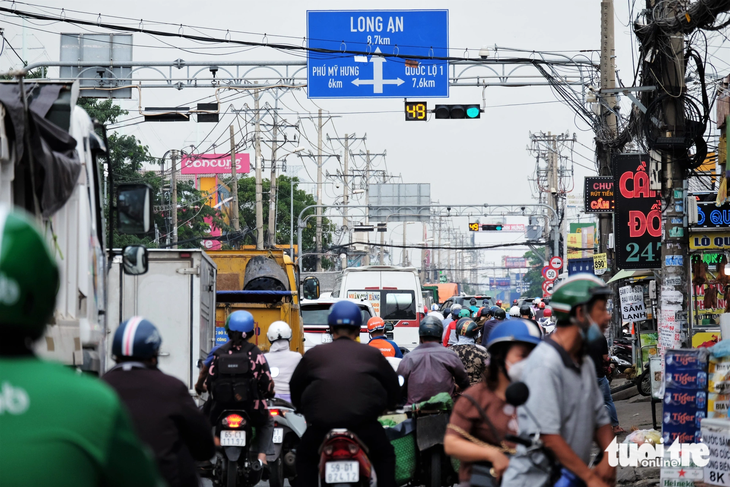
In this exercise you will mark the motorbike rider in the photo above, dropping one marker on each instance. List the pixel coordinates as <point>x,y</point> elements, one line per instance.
<point>498,315</point>
<point>59,427</point>
<point>472,355</point>
<point>540,311</point>
<point>449,335</point>
<point>468,437</point>
<point>430,368</point>
<point>240,327</point>
<point>164,415</point>
<point>455,310</point>
<point>514,312</point>
<point>376,329</point>
<point>562,376</point>
<point>281,360</point>
<point>344,384</point>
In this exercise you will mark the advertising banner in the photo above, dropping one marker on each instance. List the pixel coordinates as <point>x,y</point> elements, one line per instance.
<point>600,264</point>
<point>709,241</point>
<point>515,262</point>
<point>711,216</point>
<point>214,164</point>
<point>599,194</point>
<point>500,282</point>
<point>637,214</point>
<point>632,304</point>
<point>709,285</point>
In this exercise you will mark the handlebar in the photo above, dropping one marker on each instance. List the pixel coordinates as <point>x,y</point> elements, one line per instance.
<point>520,441</point>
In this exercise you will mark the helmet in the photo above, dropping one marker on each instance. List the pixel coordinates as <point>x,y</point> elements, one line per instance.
<point>466,327</point>
<point>486,312</point>
<point>434,307</point>
<point>431,327</point>
<point>542,305</point>
<point>437,314</point>
<point>465,313</point>
<point>499,302</point>
<point>514,311</point>
<point>345,313</point>
<point>446,312</point>
<point>500,314</point>
<point>136,337</point>
<point>517,330</point>
<point>376,323</point>
<point>278,330</point>
<point>536,301</point>
<point>455,308</point>
<point>525,309</point>
<point>473,302</point>
<point>240,321</point>
<point>548,313</point>
<point>514,301</point>
<point>575,291</point>
<point>28,276</point>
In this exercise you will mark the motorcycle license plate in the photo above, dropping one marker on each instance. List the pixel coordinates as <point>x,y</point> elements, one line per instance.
<point>326,338</point>
<point>233,438</point>
<point>278,435</point>
<point>341,472</point>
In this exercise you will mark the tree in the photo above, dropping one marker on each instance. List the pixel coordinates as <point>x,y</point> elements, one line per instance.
<point>534,276</point>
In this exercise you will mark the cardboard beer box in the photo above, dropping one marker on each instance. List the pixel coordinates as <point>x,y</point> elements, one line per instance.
<point>682,400</point>
<point>670,434</point>
<point>690,380</point>
<point>717,405</point>
<point>685,360</point>
<point>690,420</point>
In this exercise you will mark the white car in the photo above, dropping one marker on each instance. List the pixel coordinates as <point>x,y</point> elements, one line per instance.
<point>314,319</point>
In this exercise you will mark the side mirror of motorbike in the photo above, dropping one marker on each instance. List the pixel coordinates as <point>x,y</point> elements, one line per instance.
<point>517,393</point>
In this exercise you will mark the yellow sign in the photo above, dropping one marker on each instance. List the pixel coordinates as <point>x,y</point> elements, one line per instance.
<point>574,246</point>
<point>705,339</point>
<point>600,261</point>
<point>707,241</point>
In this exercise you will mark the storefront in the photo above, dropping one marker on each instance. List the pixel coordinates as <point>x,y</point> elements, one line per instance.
<point>708,282</point>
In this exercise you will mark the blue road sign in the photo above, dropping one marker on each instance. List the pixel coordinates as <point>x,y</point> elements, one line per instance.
<point>373,33</point>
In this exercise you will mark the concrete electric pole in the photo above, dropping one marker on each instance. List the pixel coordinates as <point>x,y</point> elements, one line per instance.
<point>259,189</point>
<point>234,210</point>
<point>272,190</point>
<point>173,181</point>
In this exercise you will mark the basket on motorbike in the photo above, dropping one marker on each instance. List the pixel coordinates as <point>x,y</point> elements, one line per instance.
<point>403,438</point>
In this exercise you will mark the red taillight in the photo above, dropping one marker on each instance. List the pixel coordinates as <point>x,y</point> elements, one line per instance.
<point>233,421</point>
<point>274,412</point>
<point>341,449</point>
<point>185,255</point>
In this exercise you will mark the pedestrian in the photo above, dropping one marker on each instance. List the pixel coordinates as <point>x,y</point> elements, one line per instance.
<point>164,415</point>
<point>481,416</point>
<point>471,354</point>
<point>565,405</point>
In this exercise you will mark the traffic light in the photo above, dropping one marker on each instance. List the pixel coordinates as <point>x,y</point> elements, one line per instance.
<point>457,111</point>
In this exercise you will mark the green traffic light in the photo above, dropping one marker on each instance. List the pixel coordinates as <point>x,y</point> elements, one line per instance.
<point>498,227</point>
<point>472,112</point>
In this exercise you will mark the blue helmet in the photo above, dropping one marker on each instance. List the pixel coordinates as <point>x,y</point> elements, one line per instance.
<point>514,330</point>
<point>136,337</point>
<point>240,321</point>
<point>345,313</point>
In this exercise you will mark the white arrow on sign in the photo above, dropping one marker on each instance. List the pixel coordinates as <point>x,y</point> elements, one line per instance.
<point>377,80</point>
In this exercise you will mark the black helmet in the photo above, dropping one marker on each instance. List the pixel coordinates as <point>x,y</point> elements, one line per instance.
<point>431,327</point>
<point>525,309</point>
<point>500,314</point>
<point>487,312</point>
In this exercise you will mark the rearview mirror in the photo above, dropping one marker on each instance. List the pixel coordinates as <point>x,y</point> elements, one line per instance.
<point>310,288</point>
<point>517,394</point>
<point>134,208</point>
<point>134,260</point>
<point>389,326</point>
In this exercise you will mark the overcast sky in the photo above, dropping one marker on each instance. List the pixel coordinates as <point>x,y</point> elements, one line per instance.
<point>466,162</point>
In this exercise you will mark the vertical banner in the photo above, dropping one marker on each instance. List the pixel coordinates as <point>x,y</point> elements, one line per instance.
<point>638,215</point>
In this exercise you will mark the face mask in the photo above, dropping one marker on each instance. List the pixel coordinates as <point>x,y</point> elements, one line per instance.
<point>514,370</point>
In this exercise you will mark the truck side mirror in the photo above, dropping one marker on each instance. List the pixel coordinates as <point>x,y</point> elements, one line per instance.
<point>310,288</point>
<point>134,260</point>
<point>134,208</point>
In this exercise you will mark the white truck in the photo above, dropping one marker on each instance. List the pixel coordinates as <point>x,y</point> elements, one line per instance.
<point>49,168</point>
<point>177,294</point>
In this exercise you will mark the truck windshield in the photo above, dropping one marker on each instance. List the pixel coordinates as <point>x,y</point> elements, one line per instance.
<point>317,314</point>
<point>398,305</point>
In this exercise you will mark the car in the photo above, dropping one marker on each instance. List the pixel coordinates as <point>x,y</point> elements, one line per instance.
<point>314,318</point>
<point>480,301</point>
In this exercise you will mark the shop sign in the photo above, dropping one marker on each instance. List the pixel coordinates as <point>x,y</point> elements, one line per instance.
<point>638,217</point>
<point>599,194</point>
<point>711,216</point>
<point>600,264</point>
<point>710,241</point>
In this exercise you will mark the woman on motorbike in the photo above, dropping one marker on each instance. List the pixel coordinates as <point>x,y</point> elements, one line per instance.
<point>481,417</point>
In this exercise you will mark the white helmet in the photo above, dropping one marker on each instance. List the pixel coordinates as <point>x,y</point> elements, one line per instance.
<point>434,307</point>
<point>536,301</point>
<point>437,314</point>
<point>455,307</point>
<point>278,330</point>
<point>514,311</point>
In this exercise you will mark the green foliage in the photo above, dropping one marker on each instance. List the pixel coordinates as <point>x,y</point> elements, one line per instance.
<point>534,276</point>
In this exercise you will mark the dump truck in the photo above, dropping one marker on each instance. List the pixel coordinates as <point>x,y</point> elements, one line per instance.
<point>264,283</point>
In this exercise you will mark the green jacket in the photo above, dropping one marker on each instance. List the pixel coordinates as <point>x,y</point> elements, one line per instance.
<point>60,428</point>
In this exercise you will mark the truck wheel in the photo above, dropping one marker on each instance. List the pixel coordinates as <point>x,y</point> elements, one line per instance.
<point>276,478</point>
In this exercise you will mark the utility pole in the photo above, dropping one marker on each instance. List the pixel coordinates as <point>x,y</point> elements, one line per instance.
<point>173,181</point>
<point>368,161</point>
<point>272,190</point>
<point>345,175</point>
<point>319,193</point>
<point>259,189</point>
<point>234,211</point>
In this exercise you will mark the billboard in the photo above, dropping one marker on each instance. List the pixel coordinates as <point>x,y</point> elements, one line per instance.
<point>403,202</point>
<point>515,262</point>
<point>214,164</point>
<point>503,282</point>
<point>637,215</point>
<point>599,194</point>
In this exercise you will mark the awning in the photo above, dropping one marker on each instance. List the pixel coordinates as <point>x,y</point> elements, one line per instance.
<point>635,274</point>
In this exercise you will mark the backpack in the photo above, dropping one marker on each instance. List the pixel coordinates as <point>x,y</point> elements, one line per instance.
<point>234,384</point>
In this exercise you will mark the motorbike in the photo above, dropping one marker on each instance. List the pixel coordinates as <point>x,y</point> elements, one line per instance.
<point>433,466</point>
<point>236,465</point>
<point>547,325</point>
<point>344,460</point>
<point>289,426</point>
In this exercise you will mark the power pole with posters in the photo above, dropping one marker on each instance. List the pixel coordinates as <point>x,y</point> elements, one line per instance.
<point>173,182</point>
<point>234,208</point>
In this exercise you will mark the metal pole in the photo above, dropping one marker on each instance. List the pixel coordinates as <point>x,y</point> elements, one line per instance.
<point>346,187</point>
<point>173,157</point>
<point>272,191</point>
<point>291,218</point>
<point>234,210</point>
<point>259,189</point>
<point>367,204</point>
<point>319,192</point>
<point>404,255</point>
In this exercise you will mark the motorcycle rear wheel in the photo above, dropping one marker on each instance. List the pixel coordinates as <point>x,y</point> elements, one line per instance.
<point>433,470</point>
<point>276,478</point>
<point>231,473</point>
<point>643,383</point>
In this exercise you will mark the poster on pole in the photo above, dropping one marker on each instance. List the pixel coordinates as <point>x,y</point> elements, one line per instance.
<point>637,215</point>
<point>632,304</point>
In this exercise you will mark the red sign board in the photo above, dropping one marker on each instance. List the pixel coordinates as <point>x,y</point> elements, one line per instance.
<point>599,194</point>
<point>214,164</point>
<point>556,263</point>
<point>547,287</point>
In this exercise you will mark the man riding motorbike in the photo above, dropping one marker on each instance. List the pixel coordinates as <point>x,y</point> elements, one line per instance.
<point>164,415</point>
<point>257,381</point>
<point>449,334</point>
<point>58,427</point>
<point>472,355</point>
<point>344,384</point>
<point>498,316</point>
<point>430,368</point>
<point>282,361</point>
<point>468,437</point>
<point>376,329</point>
